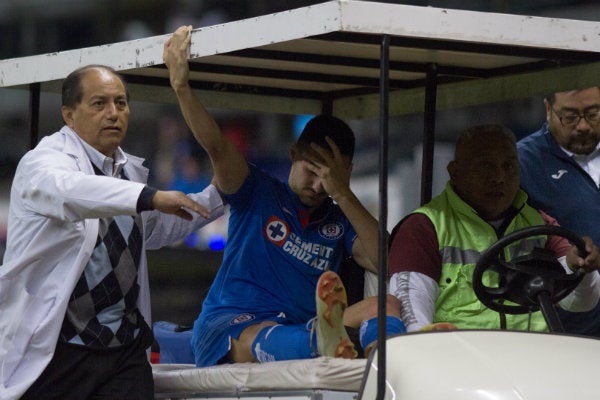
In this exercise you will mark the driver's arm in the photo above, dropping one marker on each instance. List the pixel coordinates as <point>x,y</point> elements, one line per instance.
<point>585,296</point>
<point>417,293</point>
<point>415,267</point>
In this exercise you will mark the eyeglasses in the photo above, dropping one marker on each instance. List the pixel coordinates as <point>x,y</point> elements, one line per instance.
<point>570,119</point>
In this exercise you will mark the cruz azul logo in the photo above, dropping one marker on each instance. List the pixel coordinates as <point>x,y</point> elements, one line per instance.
<point>276,230</point>
<point>331,231</point>
<point>241,318</point>
<point>315,255</point>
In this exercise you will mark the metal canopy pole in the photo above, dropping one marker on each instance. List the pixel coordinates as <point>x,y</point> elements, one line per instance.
<point>428,133</point>
<point>34,113</point>
<point>327,106</point>
<point>383,200</point>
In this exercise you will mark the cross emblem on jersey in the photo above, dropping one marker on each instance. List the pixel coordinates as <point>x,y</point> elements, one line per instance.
<point>276,230</point>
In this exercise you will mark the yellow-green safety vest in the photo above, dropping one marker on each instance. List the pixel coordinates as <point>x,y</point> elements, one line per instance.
<point>463,236</point>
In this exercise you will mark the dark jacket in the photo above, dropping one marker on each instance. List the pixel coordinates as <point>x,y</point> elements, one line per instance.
<point>557,185</point>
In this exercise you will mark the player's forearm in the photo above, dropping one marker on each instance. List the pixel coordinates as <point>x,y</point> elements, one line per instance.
<point>205,129</point>
<point>366,227</point>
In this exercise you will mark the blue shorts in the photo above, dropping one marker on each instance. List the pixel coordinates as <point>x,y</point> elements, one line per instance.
<point>211,338</point>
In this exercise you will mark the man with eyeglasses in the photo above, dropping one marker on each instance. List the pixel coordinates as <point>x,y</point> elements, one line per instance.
<point>560,170</point>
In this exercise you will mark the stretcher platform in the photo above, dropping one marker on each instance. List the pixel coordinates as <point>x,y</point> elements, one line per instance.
<point>449,365</point>
<point>322,378</point>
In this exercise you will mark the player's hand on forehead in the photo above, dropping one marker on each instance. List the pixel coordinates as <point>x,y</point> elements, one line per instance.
<point>332,153</point>
<point>312,156</point>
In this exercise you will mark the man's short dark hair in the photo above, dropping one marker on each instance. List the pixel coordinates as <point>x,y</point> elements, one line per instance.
<point>551,97</point>
<point>469,135</point>
<point>321,126</point>
<point>72,92</point>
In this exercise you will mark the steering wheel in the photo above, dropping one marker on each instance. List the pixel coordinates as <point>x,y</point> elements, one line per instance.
<point>536,280</point>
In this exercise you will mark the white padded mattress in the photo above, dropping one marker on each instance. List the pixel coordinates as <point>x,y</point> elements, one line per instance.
<point>317,373</point>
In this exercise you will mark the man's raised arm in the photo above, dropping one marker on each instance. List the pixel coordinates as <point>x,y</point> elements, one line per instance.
<point>229,165</point>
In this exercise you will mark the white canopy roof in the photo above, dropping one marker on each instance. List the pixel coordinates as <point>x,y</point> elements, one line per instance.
<point>328,55</point>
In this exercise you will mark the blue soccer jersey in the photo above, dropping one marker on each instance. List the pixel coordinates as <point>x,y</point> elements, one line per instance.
<point>272,261</point>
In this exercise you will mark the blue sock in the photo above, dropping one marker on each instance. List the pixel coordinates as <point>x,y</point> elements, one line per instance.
<point>368,329</point>
<point>283,342</point>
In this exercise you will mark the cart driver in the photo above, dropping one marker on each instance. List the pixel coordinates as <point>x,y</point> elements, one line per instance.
<point>434,250</point>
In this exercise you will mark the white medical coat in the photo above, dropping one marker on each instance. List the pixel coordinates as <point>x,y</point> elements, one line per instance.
<point>56,201</point>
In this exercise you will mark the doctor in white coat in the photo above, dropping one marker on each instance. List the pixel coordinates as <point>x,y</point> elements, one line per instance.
<point>63,191</point>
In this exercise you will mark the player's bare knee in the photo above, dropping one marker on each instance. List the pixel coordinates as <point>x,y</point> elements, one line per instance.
<point>372,306</point>
<point>241,348</point>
